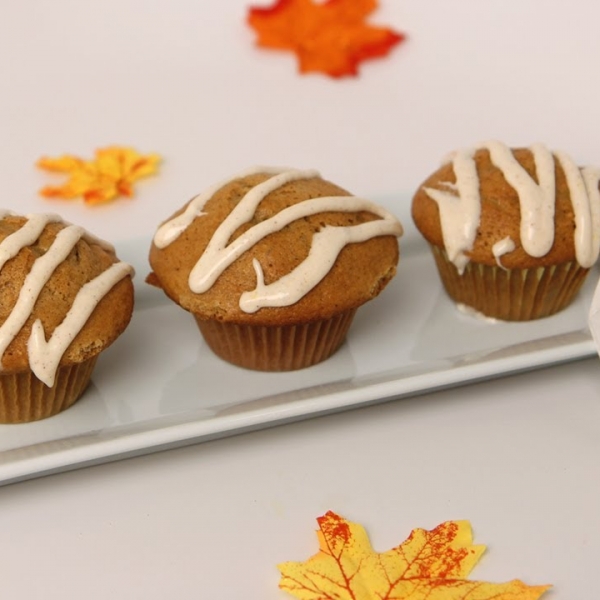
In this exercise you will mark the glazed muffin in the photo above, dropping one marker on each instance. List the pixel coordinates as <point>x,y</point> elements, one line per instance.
<point>64,298</point>
<point>513,232</point>
<point>273,265</point>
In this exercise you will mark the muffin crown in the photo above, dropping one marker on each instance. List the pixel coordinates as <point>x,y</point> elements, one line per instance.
<point>516,208</point>
<point>64,296</point>
<point>266,240</point>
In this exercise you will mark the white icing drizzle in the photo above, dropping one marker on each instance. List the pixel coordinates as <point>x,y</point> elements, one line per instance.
<point>536,201</point>
<point>504,246</point>
<point>460,212</point>
<point>168,232</point>
<point>326,243</point>
<point>450,185</point>
<point>31,230</point>
<point>585,199</point>
<point>218,255</point>
<point>591,177</point>
<point>475,314</point>
<point>45,357</point>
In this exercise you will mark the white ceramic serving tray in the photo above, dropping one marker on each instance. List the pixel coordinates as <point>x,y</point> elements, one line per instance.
<point>159,386</point>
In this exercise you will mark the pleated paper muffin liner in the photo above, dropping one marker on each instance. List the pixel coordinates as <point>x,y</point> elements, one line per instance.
<point>511,294</point>
<point>281,348</point>
<point>24,398</point>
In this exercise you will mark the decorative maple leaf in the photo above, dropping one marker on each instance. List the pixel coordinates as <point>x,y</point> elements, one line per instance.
<point>331,37</point>
<point>429,565</point>
<point>111,174</point>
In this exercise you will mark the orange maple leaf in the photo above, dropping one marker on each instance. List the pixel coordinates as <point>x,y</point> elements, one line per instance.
<point>111,174</point>
<point>331,37</point>
<point>429,565</point>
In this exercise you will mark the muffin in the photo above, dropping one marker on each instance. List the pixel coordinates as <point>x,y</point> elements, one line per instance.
<point>513,232</point>
<point>273,265</point>
<point>64,298</point>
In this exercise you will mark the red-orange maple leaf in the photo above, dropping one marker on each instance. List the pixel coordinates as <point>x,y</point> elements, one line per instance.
<point>331,37</point>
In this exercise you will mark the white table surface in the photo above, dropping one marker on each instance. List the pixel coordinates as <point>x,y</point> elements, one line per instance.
<point>518,456</point>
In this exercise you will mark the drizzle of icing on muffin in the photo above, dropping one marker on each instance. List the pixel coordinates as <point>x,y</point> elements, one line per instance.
<point>45,355</point>
<point>460,203</point>
<point>503,246</point>
<point>326,243</point>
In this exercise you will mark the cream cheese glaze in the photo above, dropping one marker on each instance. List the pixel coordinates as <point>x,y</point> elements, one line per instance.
<point>460,208</point>
<point>504,246</point>
<point>326,243</point>
<point>44,356</point>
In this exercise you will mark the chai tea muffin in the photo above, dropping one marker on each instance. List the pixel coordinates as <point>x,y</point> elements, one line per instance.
<point>513,232</point>
<point>64,298</point>
<point>273,265</point>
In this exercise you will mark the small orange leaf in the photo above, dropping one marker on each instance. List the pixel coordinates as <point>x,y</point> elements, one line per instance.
<point>111,174</point>
<point>331,37</point>
<point>429,565</point>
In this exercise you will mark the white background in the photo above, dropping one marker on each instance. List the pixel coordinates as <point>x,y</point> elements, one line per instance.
<point>185,80</point>
<point>519,457</point>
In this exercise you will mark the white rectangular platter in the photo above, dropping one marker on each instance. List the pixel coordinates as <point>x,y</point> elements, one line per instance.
<point>160,387</point>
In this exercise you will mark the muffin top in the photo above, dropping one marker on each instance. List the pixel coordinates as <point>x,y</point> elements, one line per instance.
<point>518,208</point>
<point>274,247</point>
<point>64,296</point>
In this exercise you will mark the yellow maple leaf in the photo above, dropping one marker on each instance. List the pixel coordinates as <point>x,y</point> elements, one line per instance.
<point>111,174</point>
<point>429,565</point>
